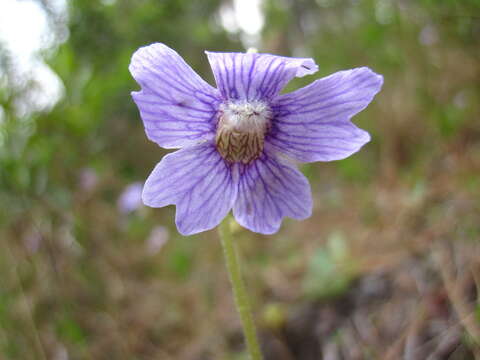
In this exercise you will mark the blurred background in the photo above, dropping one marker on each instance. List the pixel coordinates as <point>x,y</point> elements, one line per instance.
<point>388,266</point>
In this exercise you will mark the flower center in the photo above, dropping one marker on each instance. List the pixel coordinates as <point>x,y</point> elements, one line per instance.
<point>241,130</point>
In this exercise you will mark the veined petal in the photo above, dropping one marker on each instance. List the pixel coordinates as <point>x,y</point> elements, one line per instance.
<point>250,76</point>
<point>313,123</point>
<point>178,108</point>
<point>199,182</point>
<point>269,190</point>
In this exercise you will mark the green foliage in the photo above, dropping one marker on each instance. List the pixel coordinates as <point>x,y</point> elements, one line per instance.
<point>331,269</point>
<point>69,330</point>
<point>180,260</point>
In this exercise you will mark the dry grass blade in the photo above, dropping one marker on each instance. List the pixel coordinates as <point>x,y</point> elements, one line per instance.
<point>455,285</point>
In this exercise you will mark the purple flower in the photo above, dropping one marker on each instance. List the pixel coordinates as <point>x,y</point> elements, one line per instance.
<point>239,142</point>
<point>131,198</point>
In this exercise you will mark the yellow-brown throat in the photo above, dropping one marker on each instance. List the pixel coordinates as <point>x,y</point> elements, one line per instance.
<point>241,130</point>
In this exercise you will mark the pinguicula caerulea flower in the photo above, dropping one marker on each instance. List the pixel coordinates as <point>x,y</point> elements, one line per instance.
<point>239,142</point>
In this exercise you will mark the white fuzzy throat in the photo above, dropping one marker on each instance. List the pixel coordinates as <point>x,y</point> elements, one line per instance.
<point>241,130</point>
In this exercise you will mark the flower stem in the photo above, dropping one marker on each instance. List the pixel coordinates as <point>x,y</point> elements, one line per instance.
<point>239,292</point>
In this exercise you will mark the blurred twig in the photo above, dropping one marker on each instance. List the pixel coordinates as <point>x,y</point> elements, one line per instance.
<point>394,352</point>
<point>25,303</point>
<point>455,287</point>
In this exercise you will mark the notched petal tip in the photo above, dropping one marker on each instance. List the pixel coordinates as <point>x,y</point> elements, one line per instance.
<point>377,79</point>
<point>135,95</point>
<point>365,137</point>
<point>141,52</point>
<point>271,189</point>
<point>186,229</point>
<point>307,67</point>
<point>362,138</point>
<point>149,197</point>
<point>198,182</point>
<point>146,199</point>
<point>255,76</point>
<point>177,106</point>
<point>314,122</point>
<point>146,58</point>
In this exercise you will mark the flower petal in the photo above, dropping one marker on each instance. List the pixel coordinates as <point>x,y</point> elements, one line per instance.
<point>199,182</point>
<point>269,190</point>
<point>313,123</point>
<point>178,108</point>
<point>256,76</point>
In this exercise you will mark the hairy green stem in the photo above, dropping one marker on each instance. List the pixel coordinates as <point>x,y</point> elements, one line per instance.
<point>239,292</point>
